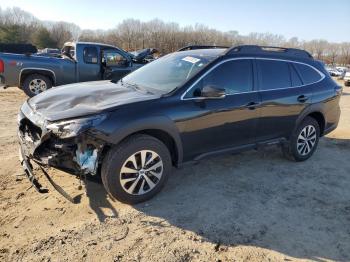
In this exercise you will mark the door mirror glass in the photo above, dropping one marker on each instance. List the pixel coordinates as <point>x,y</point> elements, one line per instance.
<point>210,91</point>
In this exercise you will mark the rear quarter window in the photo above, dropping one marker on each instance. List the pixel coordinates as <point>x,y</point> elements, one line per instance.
<point>296,81</point>
<point>274,74</point>
<point>90,55</point>
<point>308,74</point>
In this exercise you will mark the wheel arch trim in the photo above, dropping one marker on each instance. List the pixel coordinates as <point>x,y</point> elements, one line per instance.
<point>312,109</point>
<point>160,123</point>
<point>38,69</point>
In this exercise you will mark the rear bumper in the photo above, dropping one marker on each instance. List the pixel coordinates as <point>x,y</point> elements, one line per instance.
<point>330,129</point>
<point>333,117</point>
<point>2,82</point>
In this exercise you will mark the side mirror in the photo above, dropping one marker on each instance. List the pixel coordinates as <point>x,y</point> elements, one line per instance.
<point>212,92</point>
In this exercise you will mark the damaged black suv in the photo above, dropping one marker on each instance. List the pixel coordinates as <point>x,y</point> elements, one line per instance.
<point>194,103</point>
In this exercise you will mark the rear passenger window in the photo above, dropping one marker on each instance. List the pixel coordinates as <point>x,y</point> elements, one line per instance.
<point>296,81</point>
<point>274,74</point>
<point>308,74</point>
<point>90,55</point>
<point>234,76</point>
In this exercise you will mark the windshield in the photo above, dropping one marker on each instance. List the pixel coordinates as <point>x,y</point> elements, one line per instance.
<point>167,73</point>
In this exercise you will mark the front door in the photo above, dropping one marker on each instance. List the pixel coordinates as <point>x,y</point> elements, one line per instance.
<point>115,65</point>
<point>218,124</point>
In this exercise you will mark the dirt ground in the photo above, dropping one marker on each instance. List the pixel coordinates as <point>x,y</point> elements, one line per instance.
<point>254,206</point>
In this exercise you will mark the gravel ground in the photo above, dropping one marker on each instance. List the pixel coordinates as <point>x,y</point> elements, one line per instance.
<point>253,206</point>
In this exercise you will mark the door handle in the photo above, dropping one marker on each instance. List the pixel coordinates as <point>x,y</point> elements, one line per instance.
<point>302,98</point>
<point>252,105</point>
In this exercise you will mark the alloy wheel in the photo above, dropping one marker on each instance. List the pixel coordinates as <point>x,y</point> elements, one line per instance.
<point>37,86</point>
<point>306,140</point>
<point>141,172</point>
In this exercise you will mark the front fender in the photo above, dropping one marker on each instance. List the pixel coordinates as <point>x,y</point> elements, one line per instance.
<point>160,123</point>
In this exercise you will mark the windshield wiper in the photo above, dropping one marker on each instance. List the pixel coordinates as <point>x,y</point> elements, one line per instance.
<point>137,87</point>
<point>114,81</point>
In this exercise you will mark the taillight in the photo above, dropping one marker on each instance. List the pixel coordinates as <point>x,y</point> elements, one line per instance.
<point>2,66</point>
<point>338,89</point>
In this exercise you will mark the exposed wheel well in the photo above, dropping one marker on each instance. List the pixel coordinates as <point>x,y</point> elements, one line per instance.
<point>28,72</point>
<point>320,120</point>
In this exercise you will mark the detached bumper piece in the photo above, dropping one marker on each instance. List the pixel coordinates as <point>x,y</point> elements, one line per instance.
<point>44,149</point>
<point>28,170</point>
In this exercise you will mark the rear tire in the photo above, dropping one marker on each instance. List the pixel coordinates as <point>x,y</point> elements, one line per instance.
<point>136,169</point>
<point>303,141</point>
<point>35,84</point>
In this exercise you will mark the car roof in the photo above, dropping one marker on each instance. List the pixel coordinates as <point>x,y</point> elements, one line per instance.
<point>95,44</point>
<point>90,43</point>
<point>253,51</point>
<point>205,52</point>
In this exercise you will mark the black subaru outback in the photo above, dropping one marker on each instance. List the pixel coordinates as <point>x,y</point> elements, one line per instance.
<point>185,106</point>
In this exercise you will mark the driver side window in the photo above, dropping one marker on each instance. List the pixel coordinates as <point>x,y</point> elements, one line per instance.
<point>235,76</point>
<point>114,58</point>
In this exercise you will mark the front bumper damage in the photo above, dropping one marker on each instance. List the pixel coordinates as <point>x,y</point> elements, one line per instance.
<point>79,155</point>
<point>28,170</point>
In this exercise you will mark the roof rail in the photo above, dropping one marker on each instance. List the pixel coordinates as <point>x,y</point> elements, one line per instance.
<point>194,47</point>
<point>268,50</point>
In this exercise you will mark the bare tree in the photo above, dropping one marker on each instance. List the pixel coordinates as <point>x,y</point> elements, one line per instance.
<point>17,25</point>
<point>344,53</point>
<point>293,43</point>
<point>332,51</point>
<point>128,31</point>
<point>317,47</point>
<point>62,32</point>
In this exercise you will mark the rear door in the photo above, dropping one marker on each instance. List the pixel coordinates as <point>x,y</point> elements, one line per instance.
<point>283,97</point>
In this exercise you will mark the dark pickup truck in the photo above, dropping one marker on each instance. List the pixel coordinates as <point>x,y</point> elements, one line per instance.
<point>79,62</point>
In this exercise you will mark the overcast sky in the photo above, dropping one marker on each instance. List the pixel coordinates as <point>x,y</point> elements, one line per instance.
<point>305,19</point>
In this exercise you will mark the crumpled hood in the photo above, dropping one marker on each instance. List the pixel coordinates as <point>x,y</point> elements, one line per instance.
<point>81,99</point>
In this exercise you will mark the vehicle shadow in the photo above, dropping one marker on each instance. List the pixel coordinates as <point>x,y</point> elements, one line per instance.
<point>98,199</point>
<point>260,199</point>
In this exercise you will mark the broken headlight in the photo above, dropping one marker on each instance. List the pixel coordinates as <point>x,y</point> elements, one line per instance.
<point>71,128</point>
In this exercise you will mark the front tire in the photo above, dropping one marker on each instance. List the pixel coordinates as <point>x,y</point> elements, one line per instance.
<point>35,84</point>
<point>137,169</point>
<point>303,141</point>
